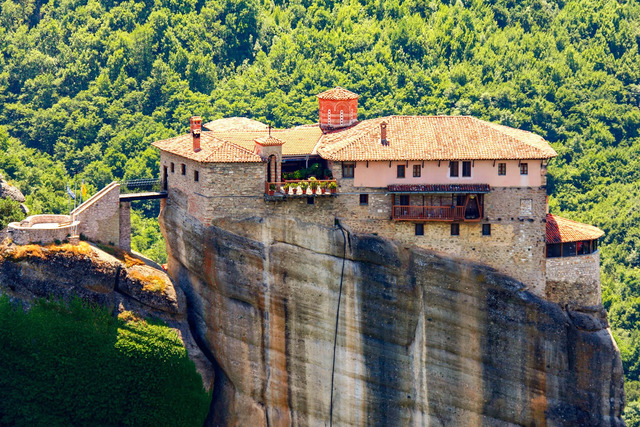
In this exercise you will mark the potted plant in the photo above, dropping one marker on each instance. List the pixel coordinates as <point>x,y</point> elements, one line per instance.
<point>313,183</point>
<point>323,187</point>
<point>333,187</point>
<point>304,185</point>
<point>272,189</point>
<point>286,187</point>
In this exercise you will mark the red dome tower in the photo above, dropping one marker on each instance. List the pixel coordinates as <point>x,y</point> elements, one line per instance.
<point>338,108</point>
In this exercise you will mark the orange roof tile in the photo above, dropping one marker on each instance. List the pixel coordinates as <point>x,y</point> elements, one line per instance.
<point>299,140</point>
<point>212,149</point>
<point>337,94</point>
<point>563,230</point>
<point>432,138</point>
<point>269,140</point>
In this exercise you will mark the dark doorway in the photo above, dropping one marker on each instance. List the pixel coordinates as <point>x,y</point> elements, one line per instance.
<point>472,210</point>
<point>165,178</point>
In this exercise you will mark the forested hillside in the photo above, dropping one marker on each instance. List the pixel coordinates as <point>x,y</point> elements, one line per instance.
<point>87,85</point>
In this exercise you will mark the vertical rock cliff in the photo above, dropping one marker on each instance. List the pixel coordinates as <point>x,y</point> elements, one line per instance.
<point>422,339</point>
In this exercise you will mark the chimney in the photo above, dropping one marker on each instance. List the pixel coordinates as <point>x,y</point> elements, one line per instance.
<point>383,133</point>
<point>196,125</point>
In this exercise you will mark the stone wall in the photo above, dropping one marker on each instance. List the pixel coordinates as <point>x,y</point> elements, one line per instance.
<point>100,216</point>
<point>517,216</point>
<point>23,233</point>
<point>574,280</point>
<point>125,226</point>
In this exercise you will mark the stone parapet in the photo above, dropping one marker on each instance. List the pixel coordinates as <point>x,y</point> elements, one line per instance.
<point>574,280</point>
<point>43,229</point>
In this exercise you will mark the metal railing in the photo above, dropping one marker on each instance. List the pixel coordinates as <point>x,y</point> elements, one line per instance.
<point>140,185</point>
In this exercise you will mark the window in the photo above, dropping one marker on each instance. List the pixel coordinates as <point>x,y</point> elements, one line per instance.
<point>364,199</point>
<point>341,117</point>
<point>347,170</point>
<point>554,250</point>
<point>183,168</point>
<point>419,229</point>
<point>524,168</point>
<point>417,171</point>
<point>502,168</point>
<point>196,176</point>
<point>466,169</point>
<point>400,171</point>
<point>486,229</point>
<point>569,249</point>
<point>453,169</point>
<point>455,229</point>
<point>172,167</point>
<point>310,200</point>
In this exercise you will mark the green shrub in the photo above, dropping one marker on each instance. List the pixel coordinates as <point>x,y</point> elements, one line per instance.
<point>77,365</point>
<point>10,211</point>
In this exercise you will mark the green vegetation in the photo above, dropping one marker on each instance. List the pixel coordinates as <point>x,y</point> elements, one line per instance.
<point>10,211</point>
<point>76,365</point>
<point>87,85</point>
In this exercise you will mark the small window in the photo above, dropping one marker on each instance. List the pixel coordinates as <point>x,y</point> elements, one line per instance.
<point>419,229</point>
<point>486,229</point>
<point>455,229</point>
<point>400,171</point>
<point>417,171</point>
<point>173,167</point>
<point>311,200</point>
<point>184,169</point>
<point>453,169</point>
<point>196,176</point>
<point>524,168</point>
<point>569,249</point>
<point>347,170</point>
<point>364,199</point>
<point>466,169</point>
<point>502,168</point>
<point>554,250</point>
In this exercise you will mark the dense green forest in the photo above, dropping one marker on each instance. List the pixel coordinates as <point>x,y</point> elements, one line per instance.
<point>77,365</point>
<point>87,85</point>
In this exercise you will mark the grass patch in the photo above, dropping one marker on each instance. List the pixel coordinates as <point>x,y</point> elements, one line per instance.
<point>123,256</point>
<point>22,252</point>
<point>150,282</point>
<point>78,365</point>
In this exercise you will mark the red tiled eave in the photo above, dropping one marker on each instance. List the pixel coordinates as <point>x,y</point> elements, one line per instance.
<point>440,188</point>
<point>433,138</point>
<point>213,149</point>
<point>563,230</point>
<point>337,94</point>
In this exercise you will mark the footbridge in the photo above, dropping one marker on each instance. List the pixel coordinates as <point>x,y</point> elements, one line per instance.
<point>141,189</point>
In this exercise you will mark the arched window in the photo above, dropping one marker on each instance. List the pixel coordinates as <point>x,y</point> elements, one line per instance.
<point>329,116</point>
<point>341,117</point>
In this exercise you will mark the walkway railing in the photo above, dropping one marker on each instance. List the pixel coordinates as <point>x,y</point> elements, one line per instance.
<point>140,185</point>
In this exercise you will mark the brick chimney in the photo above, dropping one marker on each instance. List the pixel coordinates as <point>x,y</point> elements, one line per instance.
<point>196,126</point>
<point>383,133</point>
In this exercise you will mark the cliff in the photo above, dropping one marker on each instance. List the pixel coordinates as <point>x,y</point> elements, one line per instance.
<point>108,277</point>
<point>421,339</point>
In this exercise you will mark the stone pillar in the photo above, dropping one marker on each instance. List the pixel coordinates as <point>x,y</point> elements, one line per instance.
<point>272,168</point>
<point>278,169</point>
<point>125,226</point>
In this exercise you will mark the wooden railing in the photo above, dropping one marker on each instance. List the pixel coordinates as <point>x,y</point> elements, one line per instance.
<point>279,187</point>
<point>432,213</point>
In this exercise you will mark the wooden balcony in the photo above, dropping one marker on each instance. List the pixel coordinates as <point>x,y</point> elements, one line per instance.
<point>435,213</point>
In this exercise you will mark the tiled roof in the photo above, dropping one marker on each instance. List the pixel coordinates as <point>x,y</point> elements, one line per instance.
<point>337,94</point>
<point>440,188</point>
<point>432,138</point>
<point>235,123</point>
<point>269,140</point>
<point>299,140</point>
<point>563,230</point>
<point>212,149</point>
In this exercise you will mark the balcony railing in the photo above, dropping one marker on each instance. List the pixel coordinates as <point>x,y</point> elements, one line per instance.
<point>435,213</point>
<point>295,187</point>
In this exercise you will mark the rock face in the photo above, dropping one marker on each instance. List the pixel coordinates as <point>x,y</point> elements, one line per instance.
<point>421,339</point>
<point>8,191</point>
<point>28,272</point>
